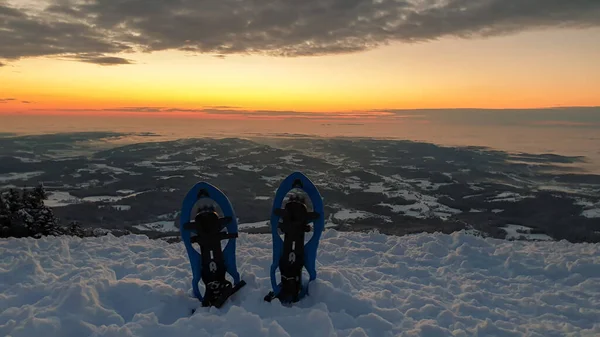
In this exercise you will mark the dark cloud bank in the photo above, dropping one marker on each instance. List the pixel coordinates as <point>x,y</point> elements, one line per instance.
<point>91,30</point>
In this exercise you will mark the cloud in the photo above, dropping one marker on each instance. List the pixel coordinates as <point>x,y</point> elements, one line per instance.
<point>102,60</point>
<point>238,112</point>
<point>137,109</point>
<point>2,64</point>
<point>276,27</point>
<point>565,124</point>
<point>7,100</point>
<point>563,116</point>
<point>28,32</point>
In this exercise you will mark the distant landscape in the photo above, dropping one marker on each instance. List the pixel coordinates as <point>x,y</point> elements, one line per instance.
<point>395,187</point>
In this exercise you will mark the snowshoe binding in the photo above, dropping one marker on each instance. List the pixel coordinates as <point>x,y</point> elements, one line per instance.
<point>291,254</point>
<point>207,230</point>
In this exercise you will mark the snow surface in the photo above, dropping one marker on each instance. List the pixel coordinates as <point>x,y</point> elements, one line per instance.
<point>424,206</point>
<point>591,209</point>
<point>92,168</point>
<point>117,207</point>
<point>244,167</point>
<point>160,226</point>
<point>591,213</point>
<point>509,197</point>
<point>169,225</point>
<point>349,214</point>
<point>19,176</point>
<point>368,284</point>
<point>28,160</point>
<point>516,231</point>
<point>61,198</point>
<point>258,224</point>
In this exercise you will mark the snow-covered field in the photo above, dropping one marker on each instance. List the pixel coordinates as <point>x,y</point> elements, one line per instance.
<point>369,285</point>
<point>516,231</point>
<point>61,198</point>
<point>19,176</point>
<point>161,226</point>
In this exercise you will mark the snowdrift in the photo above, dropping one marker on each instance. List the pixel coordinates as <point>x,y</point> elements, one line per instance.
<point>369,285</point>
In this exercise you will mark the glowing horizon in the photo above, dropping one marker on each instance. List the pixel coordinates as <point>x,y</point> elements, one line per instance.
<point>511,68</point>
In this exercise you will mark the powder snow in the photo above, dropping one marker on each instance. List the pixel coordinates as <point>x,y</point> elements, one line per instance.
<point>369,284</point>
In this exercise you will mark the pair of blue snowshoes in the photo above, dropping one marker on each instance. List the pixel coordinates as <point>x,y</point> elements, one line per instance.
<point>291,254</point>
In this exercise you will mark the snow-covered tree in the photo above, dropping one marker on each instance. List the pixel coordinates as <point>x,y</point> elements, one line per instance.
<point>15,202</point>
<point>24,214</point>
<point>74,229</point>
<point>4,217</point>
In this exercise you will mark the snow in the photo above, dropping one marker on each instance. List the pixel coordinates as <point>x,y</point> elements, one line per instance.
<point>591,209</point>
<point>258,224</point>
<point>27,160</point>
<point>261,197</point>
<point>244,167</point>
<point>591,213</point>
<point>109,198</point>
<point>273,180</point>
<point>380,162</point>
<point>61,198</point>
<point>92,168</point>
<point>169,177</point>
<point>353,183</point>
<point>169,166</point>
<point>368,284</point>
<point>122,207</point>
<point>168,216</point>
<point>475,210</point>
<point>160,226</point>
<point>512,232</point>
<point>375,188</point>
<point>167,225</point>
<point>291,158</point>
<point>425,184</point>
<point>509,197</point>
<point>424,205</point>
<point>348,214</point>
<point>19,176</point>
<point>425,209</point>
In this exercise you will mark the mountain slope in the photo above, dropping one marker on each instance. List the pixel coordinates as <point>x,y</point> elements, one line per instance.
<point>369,285</point>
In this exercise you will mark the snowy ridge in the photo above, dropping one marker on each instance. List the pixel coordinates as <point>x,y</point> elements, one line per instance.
<point>369,284</point>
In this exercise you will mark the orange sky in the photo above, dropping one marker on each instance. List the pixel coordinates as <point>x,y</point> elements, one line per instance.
<point>536,69</point>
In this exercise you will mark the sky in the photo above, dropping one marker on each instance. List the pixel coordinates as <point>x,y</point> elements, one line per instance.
<point>343,57</point>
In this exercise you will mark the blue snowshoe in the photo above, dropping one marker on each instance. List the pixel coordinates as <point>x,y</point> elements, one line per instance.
<point>208,229</point>
<point>291,254</point>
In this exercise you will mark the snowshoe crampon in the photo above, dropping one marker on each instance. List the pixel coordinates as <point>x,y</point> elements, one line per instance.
<point>207,229</point>
<point>291,254</point>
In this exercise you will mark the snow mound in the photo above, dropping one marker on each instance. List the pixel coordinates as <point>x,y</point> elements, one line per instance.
<point>369,285</point>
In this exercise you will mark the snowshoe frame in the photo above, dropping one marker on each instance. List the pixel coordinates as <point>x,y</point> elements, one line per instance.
<point>300,181</point>
<point>206,190</point>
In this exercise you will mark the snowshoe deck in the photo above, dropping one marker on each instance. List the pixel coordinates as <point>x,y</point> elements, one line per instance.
<point>208,230</point>
<point>291,254</point>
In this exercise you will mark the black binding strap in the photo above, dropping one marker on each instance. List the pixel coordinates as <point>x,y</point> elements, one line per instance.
<point>208,227</point>
<point>295,219</point>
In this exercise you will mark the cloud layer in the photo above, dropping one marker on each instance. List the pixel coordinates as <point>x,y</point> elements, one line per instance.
<point>89,30</point>
<point>238,112</point>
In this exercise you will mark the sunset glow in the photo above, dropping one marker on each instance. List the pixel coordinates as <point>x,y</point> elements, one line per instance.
<point>530,69</point>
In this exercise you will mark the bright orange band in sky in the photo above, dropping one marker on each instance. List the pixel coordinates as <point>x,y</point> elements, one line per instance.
<point>522,71</point>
